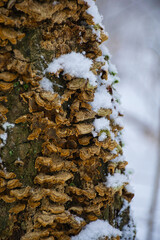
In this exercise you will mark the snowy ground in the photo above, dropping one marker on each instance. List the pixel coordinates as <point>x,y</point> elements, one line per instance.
<point>133,27</point>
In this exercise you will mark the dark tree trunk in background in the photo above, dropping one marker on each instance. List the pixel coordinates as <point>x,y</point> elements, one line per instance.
<point>52,168</point>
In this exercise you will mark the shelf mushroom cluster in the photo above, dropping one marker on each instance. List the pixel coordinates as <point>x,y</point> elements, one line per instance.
<point>69,189</point>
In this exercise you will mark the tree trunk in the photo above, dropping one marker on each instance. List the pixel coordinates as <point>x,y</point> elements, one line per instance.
<point>61,156</point>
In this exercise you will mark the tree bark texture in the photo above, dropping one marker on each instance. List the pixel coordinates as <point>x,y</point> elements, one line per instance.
<point>52,169</point>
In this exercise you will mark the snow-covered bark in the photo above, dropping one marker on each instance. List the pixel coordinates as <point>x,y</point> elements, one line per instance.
<point>62,164</point>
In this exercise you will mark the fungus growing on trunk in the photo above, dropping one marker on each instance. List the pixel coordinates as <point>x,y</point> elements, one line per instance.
<point>61,156</point>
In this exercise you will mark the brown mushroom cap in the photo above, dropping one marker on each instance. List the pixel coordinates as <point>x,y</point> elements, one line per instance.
<point>63,218</point>
<point>84,115</point>
<point>84,140</point>
<point>92,217</point>
<point>49,96</point>
<point>84,128</point>
<point>17,209</point>
<point>96,209</point>
<point>19,163</point>
<point>127,195</point>
<point>101,189</point>
<point>39,100</point>
<point>88,152</point>
<point>37,194</point>
<point>5,86</point>
<point>57,196</point>
<point>3,183</point>
<point>7,76</point>
<point>77,209</point>
<point>36,235</point>
<point>35,134</point>
<point>20,193</point>
<point>33,204</point>
<point>59,178</point>
<point>8,199</point>
<point>77,83</point>
<point>7,175</point>
<point>21,119</point>
<point>53,208</point>
<point>49,238</point>
<point>3,98</point>
<point>91,194</point>
<point>54,164</point>
<point>45,219</point>
<point>10,34</point>
<point>111,167</point>
<point>102,112</point>
<point>122,165</point>
<point>38,11</point>
<point>13,184</point>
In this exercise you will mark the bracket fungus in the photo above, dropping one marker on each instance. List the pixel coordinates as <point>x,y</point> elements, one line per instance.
<point>56,86</point>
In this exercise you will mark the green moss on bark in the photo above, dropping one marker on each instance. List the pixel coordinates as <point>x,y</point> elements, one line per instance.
<point>17,146</point>
<point>6,224</point>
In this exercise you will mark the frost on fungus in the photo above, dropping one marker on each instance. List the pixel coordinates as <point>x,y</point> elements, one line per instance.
<point>62,169</point>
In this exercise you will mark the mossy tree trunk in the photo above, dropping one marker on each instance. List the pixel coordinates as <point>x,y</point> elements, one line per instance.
<point>52,168</point>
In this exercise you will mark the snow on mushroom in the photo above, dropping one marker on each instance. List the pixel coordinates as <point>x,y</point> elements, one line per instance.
<point>75,64</point>
<point>97,229</point>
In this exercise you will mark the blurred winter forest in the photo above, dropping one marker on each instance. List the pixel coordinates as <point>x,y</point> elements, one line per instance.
<point>134,42</point>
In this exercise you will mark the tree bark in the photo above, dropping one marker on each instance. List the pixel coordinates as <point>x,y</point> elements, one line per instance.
<point>53,170</point>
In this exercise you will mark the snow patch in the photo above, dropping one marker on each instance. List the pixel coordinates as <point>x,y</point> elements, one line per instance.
<point>119,219</point>
<point>105,51</point>
<point>117,96</point>
<point>112,68</point>
<point>102,99</point>
<point>8,125</point>
<point>93,11</point>
<point>116,109</point>
<point>101,124</point>
<point>120,158</point>
<point>125,206</point>
<point>101,59</point>
<point>97,18</point>
<point>96,230</point>
<point>98,33</point>
<point>128,231</point>
<point>78,219</point>
<point>75,64</point>
<point>105,67</point>
<point>114,151</point>
<point>116,180</point>
<point>119,121</point>
<point>55,3</point>
<point>102,137</point>
<point>4,136</point>
<point>129,188</point>
<point>46,84</point>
